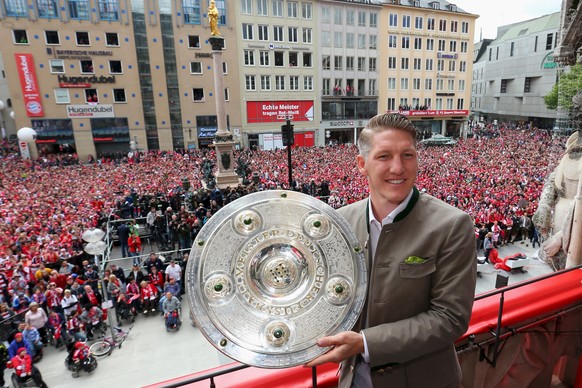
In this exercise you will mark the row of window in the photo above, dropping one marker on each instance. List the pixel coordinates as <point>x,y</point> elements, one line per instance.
<point>62,95</point>
<point>453,25</point>
<point>449,103</point>
<point>261,8</point>
<point>338,63</point>
<point>428,84</point>
<point>248,33</point>
<point>352,87</point>
<point>277,58</point>
<point>52,37</point>
<point>429,44</point>
<point>107,10</point>
<point>481,87</point>
<point>281,82</point>
<point>57,66</point>
<point>551,43</point>
<point>364,41</point>
<point>350,17</point>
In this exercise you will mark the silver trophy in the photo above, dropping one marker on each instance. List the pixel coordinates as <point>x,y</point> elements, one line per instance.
<point>271,273</point>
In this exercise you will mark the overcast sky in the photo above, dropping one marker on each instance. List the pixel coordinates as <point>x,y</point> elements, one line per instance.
<point>495,13</point>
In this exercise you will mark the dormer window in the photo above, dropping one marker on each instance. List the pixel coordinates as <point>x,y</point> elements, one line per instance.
<point>436,5</point>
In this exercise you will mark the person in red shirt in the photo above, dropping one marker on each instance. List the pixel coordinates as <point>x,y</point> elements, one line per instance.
<point>22,364</point>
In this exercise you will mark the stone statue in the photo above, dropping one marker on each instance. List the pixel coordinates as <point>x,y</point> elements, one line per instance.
<point>213,19</point>
<point>555,214</point>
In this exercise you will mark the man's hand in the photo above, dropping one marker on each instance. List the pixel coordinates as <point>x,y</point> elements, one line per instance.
<point>344,345</point>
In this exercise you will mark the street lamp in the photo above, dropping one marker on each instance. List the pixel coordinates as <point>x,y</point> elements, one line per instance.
<point>96,246</point>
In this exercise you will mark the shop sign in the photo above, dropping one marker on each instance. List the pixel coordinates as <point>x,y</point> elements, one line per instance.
<point>345,123</point>
<point>548,61</point>
<point>78,54</point>
<point>205,132</point>
<point>74,81</point>
<point>203,55</point>
<point>434,113</point>
<point>92,111</point>
<point>29,85</point>
<point>447,56</point>
<point>276,111</point>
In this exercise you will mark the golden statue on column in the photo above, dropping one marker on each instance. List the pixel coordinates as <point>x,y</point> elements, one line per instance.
<point>213,19</point>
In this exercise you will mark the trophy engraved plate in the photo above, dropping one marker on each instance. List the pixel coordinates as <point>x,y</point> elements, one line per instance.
<point>271,273</point>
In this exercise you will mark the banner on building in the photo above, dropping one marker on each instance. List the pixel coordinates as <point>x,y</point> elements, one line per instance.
<point>29,85</point>
<point>434,113</point>
<point>275,111</point>
<point>92,111</point>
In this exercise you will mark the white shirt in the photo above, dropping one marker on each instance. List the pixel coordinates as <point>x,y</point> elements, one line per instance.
<point>174,271</point>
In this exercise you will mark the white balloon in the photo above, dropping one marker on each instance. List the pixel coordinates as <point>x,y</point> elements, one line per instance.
<point>12,115</point>
<point>93,235</point>
<point>2,105</point>
<point>26,134</point>
<point>95,248</point>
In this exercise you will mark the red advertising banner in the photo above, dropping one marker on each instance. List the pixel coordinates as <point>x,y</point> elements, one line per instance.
<point>29,85</point>
<point>275,111</point>
<point>431,113</point>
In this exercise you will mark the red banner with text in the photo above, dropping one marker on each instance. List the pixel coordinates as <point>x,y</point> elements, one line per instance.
<point>275,111</point>
<point>29,85</point>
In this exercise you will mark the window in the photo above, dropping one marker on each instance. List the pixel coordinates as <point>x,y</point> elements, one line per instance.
<point>461,85</point>
<point>429,64</point>
<point>373,19</point>
<point>325,38</point>
<point>326,84</point>
<point>264,58</point>
<point>490,52</point>
<point>404,83</point>
<point>247,31</point>
<point>393,21</point>
<point>452,65</point>
<point>465,27</point>
<point>451,85</point>
<point>503,88</point>
<point>246,7</point>
<point>361,19</point>
<point>536,45</point>
<point>372,64</point>
<point>338,62</point>
<point>278,8</point>
<point>226,94</point>
<point>449,103</point>
<point>326,62</point>
<point>91,96</point>
<point>349,63</point>
<point>527,85</point>
<point>406,21</point>
<point>52,37</point>
<point>391,104</point>
<point>442,45</point>
<point>16,8</point>
<point>263,32</point>
<point>82,38</point>
<point>428,84</point>
<point>57,66</point>
<point>464,46</point>
<point>109,10</point>
<point>418,23</point>
<point>293,34</point>
<point>291,10</point>
<point>391,83</point>
<point>195,68</point>
<point>497,53</point>
<point>279,58</point>
<point>460,103</point>
<point>20,36</point>
<point>442,25</point>
<point>224,68</point>
<point>307,62</point>
<point>306,10</point>
<point>392,41</point>
<point>462,66</point>
<point>454,25</point>
<point>324,14</point>
<point>294,82</point>
<point>417,64</point>
<point>278,33</point>
<point>416,84</point>
<point>197,94</point>
<point>191,9</point>
<point>439,84</point>
<point>361,64</point>
<point>373,42</point>
<point>440,65</point>
<point>350,40</point>
<point>512,49</point>
<point>293,58</point>
<point>250,83</point>
<point>47,9</point>
<point>262,9</point>
<point>453,46</point>
<point>193,41</point>
<point>338,39</point>
<point>430,24</point>
<point>427,102</point>
<point>265,82</point>
<point>392,62</point>
<point>119,95</point>
<point>418,43</point>
<point>439,103</point>
<point>361,41</point>
<point>405,42</point>
<point>249,57</point>
<point>307,82</point>
<point>111,39</point>
<point>279,82</point>
<point>372,87</point>
<point>87,67</point>
<point>307,35</point>
<point>350,17</point>
<point>62,96</point>
<point>404,63</point>
<point>430,44</point>
<point>337,16</point>
<point>115,67</point>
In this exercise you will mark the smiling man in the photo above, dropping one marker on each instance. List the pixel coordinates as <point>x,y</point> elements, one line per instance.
<point>421,264</point>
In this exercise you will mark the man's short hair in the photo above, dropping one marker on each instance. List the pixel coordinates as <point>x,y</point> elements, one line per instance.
<point>380,123</point>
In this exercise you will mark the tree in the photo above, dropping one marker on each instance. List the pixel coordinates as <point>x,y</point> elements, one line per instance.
<point>568,85</point>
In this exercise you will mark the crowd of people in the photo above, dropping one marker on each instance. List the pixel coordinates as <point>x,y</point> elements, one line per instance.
<point>496,176</point>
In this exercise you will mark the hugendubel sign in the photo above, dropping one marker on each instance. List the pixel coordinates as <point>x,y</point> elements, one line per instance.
<point>83,111</point>
<point>29,85</point>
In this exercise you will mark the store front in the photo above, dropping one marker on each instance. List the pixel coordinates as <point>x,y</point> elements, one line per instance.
<point>110,135</point>
<point>54,136</point>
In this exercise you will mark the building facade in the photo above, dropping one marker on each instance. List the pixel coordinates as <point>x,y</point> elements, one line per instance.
<point>515,71</point>
<point>7,124</point>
